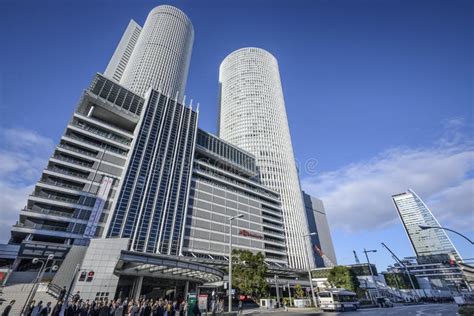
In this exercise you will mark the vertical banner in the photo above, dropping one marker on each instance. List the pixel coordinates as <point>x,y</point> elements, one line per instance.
<point>102,195</point>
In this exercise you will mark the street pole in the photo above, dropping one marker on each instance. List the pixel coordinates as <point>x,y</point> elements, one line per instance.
<point>404,266</point>
<point>38,278</point>
<point>310,278</point>
<point>276,288</point>
<point>370,269</point>
<point>230,269</point>
<point>66,298</point>
<point>289,293</point>
<point>423,227</point>
<point>230,260</point>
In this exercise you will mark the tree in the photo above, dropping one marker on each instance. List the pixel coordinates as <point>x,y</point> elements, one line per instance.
<point>343,277</point>
<point>248,273</point>
<point>400,280</point>
<point>299,293</point>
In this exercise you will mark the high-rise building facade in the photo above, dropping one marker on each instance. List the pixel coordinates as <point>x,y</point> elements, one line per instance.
<point>414,212</point>
<point>323,249</point>
<point>224,184</point>
<point>162,53</point>
<point>135,192</point>
<point>253,117</point>
<point>150,208</point>
<point>121,56</point>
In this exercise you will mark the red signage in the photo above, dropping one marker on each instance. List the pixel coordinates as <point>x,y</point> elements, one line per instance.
<point>246,233</point>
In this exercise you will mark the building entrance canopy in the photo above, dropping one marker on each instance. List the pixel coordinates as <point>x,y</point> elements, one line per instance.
<point>165,267</point>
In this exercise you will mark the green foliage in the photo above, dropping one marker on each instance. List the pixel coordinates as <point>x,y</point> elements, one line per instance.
<point>343,277</point>
<point>466,310</point>
<point>299,293</point>
<point>400,280</point>
<point>248,273</point>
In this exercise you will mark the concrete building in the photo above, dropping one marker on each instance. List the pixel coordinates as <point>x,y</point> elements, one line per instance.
<point>253,117</point>
<point>135,192</point>
<point>437,272</point>
<point>323,248</point>
<point>72,199</point>
<point>225,183</point>
<point>414,212</point>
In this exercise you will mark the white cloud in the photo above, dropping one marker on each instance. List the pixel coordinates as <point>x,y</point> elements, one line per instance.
<point>358,196</point>
<point>23,155</point>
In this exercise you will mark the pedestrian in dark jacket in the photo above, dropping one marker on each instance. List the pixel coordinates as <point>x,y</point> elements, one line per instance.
<point>57,309</point>
<point>7,309</point>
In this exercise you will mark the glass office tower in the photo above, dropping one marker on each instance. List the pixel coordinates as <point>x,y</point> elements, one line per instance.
<point>413,213</point>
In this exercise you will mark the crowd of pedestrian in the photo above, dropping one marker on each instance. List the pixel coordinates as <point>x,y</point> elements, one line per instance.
<point>104,307</point>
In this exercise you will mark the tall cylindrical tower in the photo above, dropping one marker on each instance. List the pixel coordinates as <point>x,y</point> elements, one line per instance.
<point>161,56</point>
<point>253,117</point>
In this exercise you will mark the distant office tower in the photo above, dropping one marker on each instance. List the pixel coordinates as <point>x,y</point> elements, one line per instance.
<point>323,249</point>
<point>414,212</point>
<point>161,56</point>
<point>122,53</point>
<point>253,117</point>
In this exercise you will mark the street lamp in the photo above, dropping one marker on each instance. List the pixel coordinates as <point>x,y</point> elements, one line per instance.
<point>309,269</point>
<point>230,219</point>
<point>404,266</point>
<point>370,269</point>
<point>38,279</point>
<point>424,227</point>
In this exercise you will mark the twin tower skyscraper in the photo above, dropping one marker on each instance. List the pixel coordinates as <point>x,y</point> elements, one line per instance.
<point>252,112</point>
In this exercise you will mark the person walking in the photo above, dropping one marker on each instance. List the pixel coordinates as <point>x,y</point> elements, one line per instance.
<point>7,309</point>
<point>37,309</point>
<point>45,310</point>
<point>196,310</point>
<point>57,309</point>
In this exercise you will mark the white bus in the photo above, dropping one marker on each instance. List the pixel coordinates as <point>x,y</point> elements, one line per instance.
<point>338,300</point>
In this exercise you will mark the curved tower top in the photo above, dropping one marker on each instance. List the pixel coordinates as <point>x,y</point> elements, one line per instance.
<point>253,117</point>
<point>161,56</point>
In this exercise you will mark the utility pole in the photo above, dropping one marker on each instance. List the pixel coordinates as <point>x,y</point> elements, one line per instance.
<point>403,265</point>
<point>370,269</point>
<point>275,277</point>
<point>355,256</point>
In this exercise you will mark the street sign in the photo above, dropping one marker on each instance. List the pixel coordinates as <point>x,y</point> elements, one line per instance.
<point>202,301</point>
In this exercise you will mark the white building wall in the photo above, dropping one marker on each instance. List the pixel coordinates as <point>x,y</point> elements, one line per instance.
<point>101,257</point>
<point>253,117</point>
<point>162,54</point>
<point>121,56</point>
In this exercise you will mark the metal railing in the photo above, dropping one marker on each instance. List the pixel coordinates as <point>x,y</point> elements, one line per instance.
<point>47,211</point>
<point>98,144</point>
<point>56,197</point>
<point>42,226</point>
<point>74,161</point>
<point>68,172</point>
<point>100,132</point>
<point>77,150</point>
<point>62,184</point>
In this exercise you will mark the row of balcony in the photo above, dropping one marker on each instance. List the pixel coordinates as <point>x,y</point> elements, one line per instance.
<point>100,132</point>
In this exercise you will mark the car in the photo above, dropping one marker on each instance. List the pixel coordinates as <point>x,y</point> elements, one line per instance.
<point>384,302</point>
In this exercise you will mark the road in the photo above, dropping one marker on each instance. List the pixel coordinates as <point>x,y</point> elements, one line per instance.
<point>401,310</point>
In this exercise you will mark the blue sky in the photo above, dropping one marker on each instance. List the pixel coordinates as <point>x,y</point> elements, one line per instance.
<point>379,95</point>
